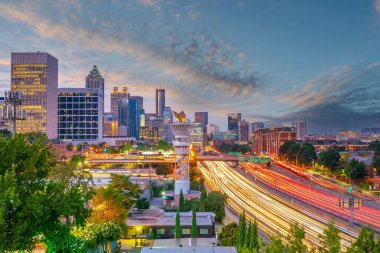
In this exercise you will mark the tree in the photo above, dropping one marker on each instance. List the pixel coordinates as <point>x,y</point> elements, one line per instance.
<point>130,191</point>
<point>202,201</point>
<point>108,205</point>
<point>289,151</point>
<point>241,231</point>
<point>194,227</point>
<point>164,169</point>
<point>376,162</point>
<point>306,154</point>
<point>274,246</point>
<point>330,239</point>
<point>228,235</point>
<point>30,203</point>
<point>163,145</point>
<point>69,147</point>
<point>365,242</point>
<point>356,168</point>
<point>77,161</point>
<point>295,237</point>
<point>248,236</point>
<point>5,132</point>
<point>329,159</point>
<point>216,201</point>
<point>374,145</point>
<point>190,204</point>
<point>181,202</point>
<point>177,226</point>
<point>126,148</point>
<point>142,203</point>
<point>255,244</point>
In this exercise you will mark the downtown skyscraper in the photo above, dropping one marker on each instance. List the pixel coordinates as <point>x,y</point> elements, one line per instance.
<point>35,74</point>
<point>160,102</point>
<point>233,119</point>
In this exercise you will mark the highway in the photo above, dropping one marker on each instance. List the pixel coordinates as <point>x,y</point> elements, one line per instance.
<point>322,200</point>
<point>274,214</point>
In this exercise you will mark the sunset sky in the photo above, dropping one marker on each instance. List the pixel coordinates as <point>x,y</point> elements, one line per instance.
<point>274,61</point>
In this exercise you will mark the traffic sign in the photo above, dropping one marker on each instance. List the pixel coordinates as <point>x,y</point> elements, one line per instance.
<point>349,189</point>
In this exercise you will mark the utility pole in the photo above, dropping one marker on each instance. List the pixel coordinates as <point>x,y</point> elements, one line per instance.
<point>13,100</point>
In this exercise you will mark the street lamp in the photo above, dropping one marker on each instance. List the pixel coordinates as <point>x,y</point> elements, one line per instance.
<point>349,175</point>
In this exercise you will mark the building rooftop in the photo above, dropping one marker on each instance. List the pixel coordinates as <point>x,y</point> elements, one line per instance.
<point>191,250</point>
<point>156,217</point>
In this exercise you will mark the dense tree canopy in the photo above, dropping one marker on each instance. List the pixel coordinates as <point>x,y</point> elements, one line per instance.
<point>374,145</point>
<point>329,159</point>
<point>300,154</point>
<point>31,204</point>
<point>228,235</point>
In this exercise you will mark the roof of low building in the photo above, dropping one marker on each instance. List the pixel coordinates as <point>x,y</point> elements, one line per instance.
<point>156,217</point>
<point>190,250</point>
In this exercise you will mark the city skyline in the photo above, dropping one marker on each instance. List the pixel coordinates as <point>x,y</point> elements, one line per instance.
<point>266,63</point>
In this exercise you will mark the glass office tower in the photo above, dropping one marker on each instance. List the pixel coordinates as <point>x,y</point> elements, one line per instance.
<point>36,76</point>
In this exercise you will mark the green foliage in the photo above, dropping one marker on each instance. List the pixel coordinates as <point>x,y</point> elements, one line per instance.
<point>329,159</point>
<point>93,234</point>
<point>177,226</point>
<point>190,204</point>
<point>126,148</point>
<point>142,203</point>
<point>181,206</point>
<point>227,147</point>
<point>164,169</point>
<point>202,201</point>
<point>356,168</point>
<point>228,235</point>
<point>248,236</point>
<point>240,239</point>
<point>216,202</point>
<point>30,204</point>
<point>330,240</point>
<point>365,242</point>
<point>295,237</point>
<point>303,154</point>
<point>274,246</point>
<point>163,145</point>
<point>108,205</point>
<point>306,154</point>
<point>196,180</point>
<point>5,133</point>
<point>254,244</point>
<point>289,150</point>
<point>77,161</point>
<point>129,190</point>
<point>376,162</point>
<point>194,227</point>
<point>374,146</point>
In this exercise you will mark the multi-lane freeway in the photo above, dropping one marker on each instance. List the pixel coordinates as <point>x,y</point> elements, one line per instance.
<point>325,201</point>
<point>274,213</point>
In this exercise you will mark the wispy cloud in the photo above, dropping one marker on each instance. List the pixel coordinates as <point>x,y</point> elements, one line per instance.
<point>195,60</point>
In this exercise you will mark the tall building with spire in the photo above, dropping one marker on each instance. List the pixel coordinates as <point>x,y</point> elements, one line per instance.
<point>95,80</point>
<point>35,74</point>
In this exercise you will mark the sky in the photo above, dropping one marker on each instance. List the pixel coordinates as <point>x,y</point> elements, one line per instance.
<point>273,61</point>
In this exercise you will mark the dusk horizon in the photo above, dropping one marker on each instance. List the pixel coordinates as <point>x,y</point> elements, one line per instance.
<point>274,62</point>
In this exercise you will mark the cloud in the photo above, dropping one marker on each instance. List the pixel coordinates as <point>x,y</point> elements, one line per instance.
<point>189,61</point>
<point>377,6</point>
<point>344,98</point>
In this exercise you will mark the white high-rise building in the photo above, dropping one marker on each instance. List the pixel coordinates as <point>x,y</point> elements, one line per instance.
<point>301,129</point>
